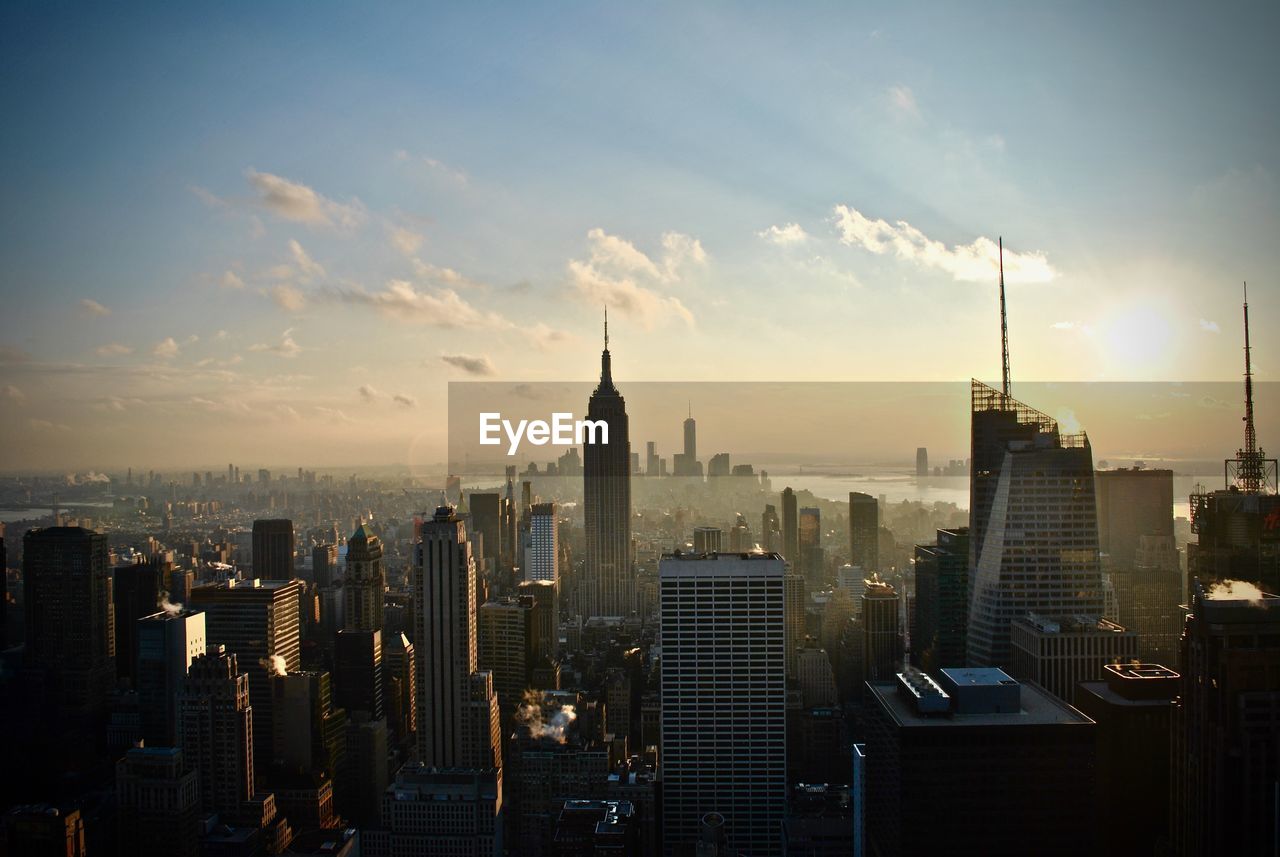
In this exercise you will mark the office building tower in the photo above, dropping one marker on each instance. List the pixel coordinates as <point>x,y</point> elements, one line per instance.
<point>309,730</point>
<point>1227,724</point>
<point>942,601</point>
<point>217,731</point>
<point>542,560</point>
<point>364,774</point>
<point>364,584</point>
<point>273,549</point>
<point>881,630</point>
<point>324,565</point>
<point>41,829</point>
<point>4,595</point>
<point>1058,654</point>
<point>1132,503</point>
<point>1238,529</point>
<point>258,622</point>
<point>740,536</point>
<point>429,810</point>
<point>357,672</point>
<point>1149,595</point>
<point>167,644</point>
<point>864,531</point>
<point>922,462</point>
<point>505,635</point>
<point>795,594</point>
<point>135,592</point>
<point>543,596</point>
<point>510,543</point>
<point>809,547</point>
<point>950,767</point>
<point>158,803</point>
<point>816,679</point>
<point>400,688</point>
<point>69,620</point>
<point>723,673</point>
<point>1039,540</point>
<point>1133,707</point>
<point>790,529</point>
<point>482,727</point>
<point>719,465</point>
<point>486,519</point>
<point>610,586</point>
<point>588,827</point>
<point>686,463</point>
<point>770,530</point>
<point>706,539</point>
<point>652,467</point>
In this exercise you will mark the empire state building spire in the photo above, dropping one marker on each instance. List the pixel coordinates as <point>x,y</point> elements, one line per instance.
<point>606,368</point>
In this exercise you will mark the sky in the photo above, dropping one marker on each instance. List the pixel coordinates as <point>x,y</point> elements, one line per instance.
<point>274,233</point>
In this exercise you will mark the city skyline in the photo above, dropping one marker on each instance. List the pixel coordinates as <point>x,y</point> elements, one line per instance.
<point>252,263</point>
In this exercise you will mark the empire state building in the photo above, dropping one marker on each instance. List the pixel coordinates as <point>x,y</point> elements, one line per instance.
<point>609,587</point>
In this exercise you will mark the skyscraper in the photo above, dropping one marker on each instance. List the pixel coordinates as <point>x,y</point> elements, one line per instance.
<point>812,559</point>
<point>922,462</point>
<point>486,519</point>
<point>881,630</point>
<point>864,531</point>
<point>273,549</point>
<point>790,529</point>
<point>167,644</point>
<point>217,731</point>
<point>1059,654</point>
<point>770,529</point>
<point>1227,725</point>
<point>158,800</point>
<point>324,564</point>
<point>1039,539</point>
<point>706,539</point>
<point>135,591</point>
<point>723,698</point>
<point>942,601</point>
<point>357,672</point>
<point>505,643</point>
<point>542,561</point>
<point>70,618</point>
<point>610,587</point>
<point>365,583</point>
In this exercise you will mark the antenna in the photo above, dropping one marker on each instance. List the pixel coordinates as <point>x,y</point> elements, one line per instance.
<point>606,327</point>
<point>1004,328</point>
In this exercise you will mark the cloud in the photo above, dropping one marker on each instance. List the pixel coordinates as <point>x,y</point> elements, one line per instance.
<point>444,276</point>
<point>784,236</point>
<point>975,262</point>
<point>113,349</point>
<point>333,414</point>
<point>297,202</point>
<point>288,297</point>
<point>471,365</point>
<point>286,347</point>
<point>94,308</point>
<point>406,240</point>
<point>437,167</point>
<point>165,348</point>
<point>231,280</point>
<point>622,277</point>
<point>46,425</point>
<point>309,268</point>
<point>404,400</point>
<point>1210,326</point>
<point>12,393</point>
<point>368,393</point>
<point>545,337</point>
<point>904,101</point>
<point>440,307</point>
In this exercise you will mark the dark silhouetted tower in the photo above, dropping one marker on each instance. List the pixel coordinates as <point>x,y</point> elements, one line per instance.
<point>610,588</point>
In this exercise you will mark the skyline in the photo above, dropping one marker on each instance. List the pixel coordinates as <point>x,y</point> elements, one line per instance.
<point>278,243</point>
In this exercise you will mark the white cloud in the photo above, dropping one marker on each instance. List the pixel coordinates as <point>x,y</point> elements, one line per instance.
<point>333,414</point>
<point>165,348</point>
<point>46,425</point>
<point>437,307</point>
<point>299,203</point>
<point>619,253</point>
<point>904,101</point>
<point>309,268</point>
<point>113,349</point>
<point>620,276</point>
<point>545,337</point>
<point>286,347</point>
<point>288,297</point>
<point>437,168</point>
<point>404,400</point>
<point>368,393</point>
<point>1210,326</point>
<point>406,240</point>
<point>12,393</point>
<point>94,308</point>
<point>480,365</point>
<point>444,276</point>
<point>785,236</point>
<point>974,262</point>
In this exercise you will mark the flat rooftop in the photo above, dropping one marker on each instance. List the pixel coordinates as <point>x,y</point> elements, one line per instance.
<point>1038,707</point>
<point>719,564</point>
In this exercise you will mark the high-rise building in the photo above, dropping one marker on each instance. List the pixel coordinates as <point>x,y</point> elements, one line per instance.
<point>790,529</point>
<point>610,586</point>
<point>41,829</point>
<point>1058,654</point>
<point>864,531</point>
<point>723,674</point>
<point>1133,707</point>
<point>505,635</point>
<point>544,637</point>
<point>430,810</point>
<point>357,672</point>
<point>510,544</point>
<point>1039,540</point>
<point>1132,503</point>
<point>881,630</point>
<point>1227,724</point>
<point>273,549</point>
<point>706,539</point>
<point>740,536</point>
<point>942,600</point>
<point>686,463</point>
<point>69,619</point>
<point>482,726</point>
<point>135,592</point>
<point>922,462</point>
<point>158,803</point>
<point>795,594</point>
<point>542,560</point>
<point>167,644</point>
<point>652,467</point>
<point>324,564</point>
<point>719,465</point>
<point>486,519</point>
<point>809,547</point>
<point>400,688</point>
<point>257,621</point>
<point>365,584</point>
<point>309,733</point>
<point>770,529</point>
<point>216,731</point>
<point>976,764</point>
